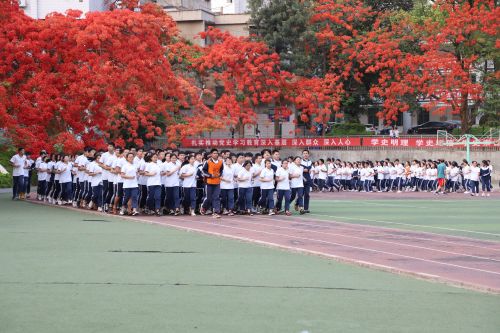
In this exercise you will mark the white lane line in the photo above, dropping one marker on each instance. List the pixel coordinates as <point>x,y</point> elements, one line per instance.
<point>219,223</point>
<point>393,231</point>
<point>409,224</point>
<point>366,239</point>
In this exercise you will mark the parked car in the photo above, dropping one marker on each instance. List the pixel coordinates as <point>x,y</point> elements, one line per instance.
<point>431,127</point>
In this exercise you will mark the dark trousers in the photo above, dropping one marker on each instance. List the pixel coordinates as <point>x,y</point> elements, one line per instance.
<point>227,197</point>
<point>97,195</point>
<point>267,200</point>
<point>256,196</point>
<point>163,195</point>
<point>213,197</point>
<point>189,198</point>
<point>17,186</point>
<point>298,193</point>
<point>88,191</point>
<point>104,190</point>
<point>486,183</point>
<point>80,191</point>
<point>142,196</point>
<point>172,199</point>
<point>474,186</point>
<point>50,185</point>
<point>42,187</point>
<point>284,194</point>
<point>76,189</point>
<point>154,197</point>
<point>57,190</point>
<point>109,193</point>
<point>133,194</point>
<point>66,191</point>
<point>307,190</point>
<point>245,198</point>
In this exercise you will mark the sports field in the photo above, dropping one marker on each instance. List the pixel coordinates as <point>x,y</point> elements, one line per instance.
<point>68,271</point>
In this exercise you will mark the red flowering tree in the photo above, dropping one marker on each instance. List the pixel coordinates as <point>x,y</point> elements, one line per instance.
<point>105,76</point>
<point>250,75</point>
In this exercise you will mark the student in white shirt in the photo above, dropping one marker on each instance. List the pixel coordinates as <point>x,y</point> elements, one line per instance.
<point>152,172</point>
<point>106,185</point>
<point>42,177</point>
<point>171,173</point>
<point>79,177</point>
<point>56,193</point>
<point>475,172</point>
<point>322,175</point>
<point>65,180</point>
<point>188,175</point>
<point>256,170</point>
<point>466,175</point>
<point>17,161</point>
<point>95,174</point>
<point>283,187</point>
<point>400,171</point>
<point>50,177</point>
<point>267,187</point>
<point>130,186</point>
<point>245,188</point>
<point>330,177</point>
<point>297,184</point>
<point>227,187</point>
<point>454,176</point>
<point>27,174</point>
<point>370,173</point>
<point>116,167</point>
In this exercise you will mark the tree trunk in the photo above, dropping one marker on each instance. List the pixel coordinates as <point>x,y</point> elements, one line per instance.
<point>465,115</point>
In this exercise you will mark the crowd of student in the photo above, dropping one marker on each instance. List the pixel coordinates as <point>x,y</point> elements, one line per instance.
<point>133,181</point>
<point>439,177</point>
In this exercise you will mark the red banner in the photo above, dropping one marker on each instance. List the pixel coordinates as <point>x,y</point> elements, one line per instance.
<point>400,142</point>
<point>373,141</point>
<point>312,142</point>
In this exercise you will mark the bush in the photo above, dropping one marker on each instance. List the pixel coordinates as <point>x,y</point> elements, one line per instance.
<point>348,129</point>
<point>5,181</point>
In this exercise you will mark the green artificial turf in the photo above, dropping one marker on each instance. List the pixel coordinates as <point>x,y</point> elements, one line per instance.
<point>475,218</point>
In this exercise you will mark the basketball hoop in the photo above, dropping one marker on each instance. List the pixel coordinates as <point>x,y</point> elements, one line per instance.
<point>492,137</point>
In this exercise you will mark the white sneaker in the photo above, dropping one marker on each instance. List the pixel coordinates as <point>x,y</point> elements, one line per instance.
<point>99,209</point>
<point>74,204</point>
<point>193,213</point>
<point>399,191</point>
<point>59,202</point>
<point>466,192</point>
<point>91,204</point>
<point>482,194</point>
<point>122,211</point>
<point>488,195</point>
<point>271,213</point>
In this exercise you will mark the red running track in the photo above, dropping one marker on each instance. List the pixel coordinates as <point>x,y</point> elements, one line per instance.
<point>460,261</point>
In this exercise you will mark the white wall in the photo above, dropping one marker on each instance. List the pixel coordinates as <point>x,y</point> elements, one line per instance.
<point>229,6</point>
<point>39,9</point>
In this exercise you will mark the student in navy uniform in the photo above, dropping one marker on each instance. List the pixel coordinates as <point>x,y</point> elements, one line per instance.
<point>307,165</point>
